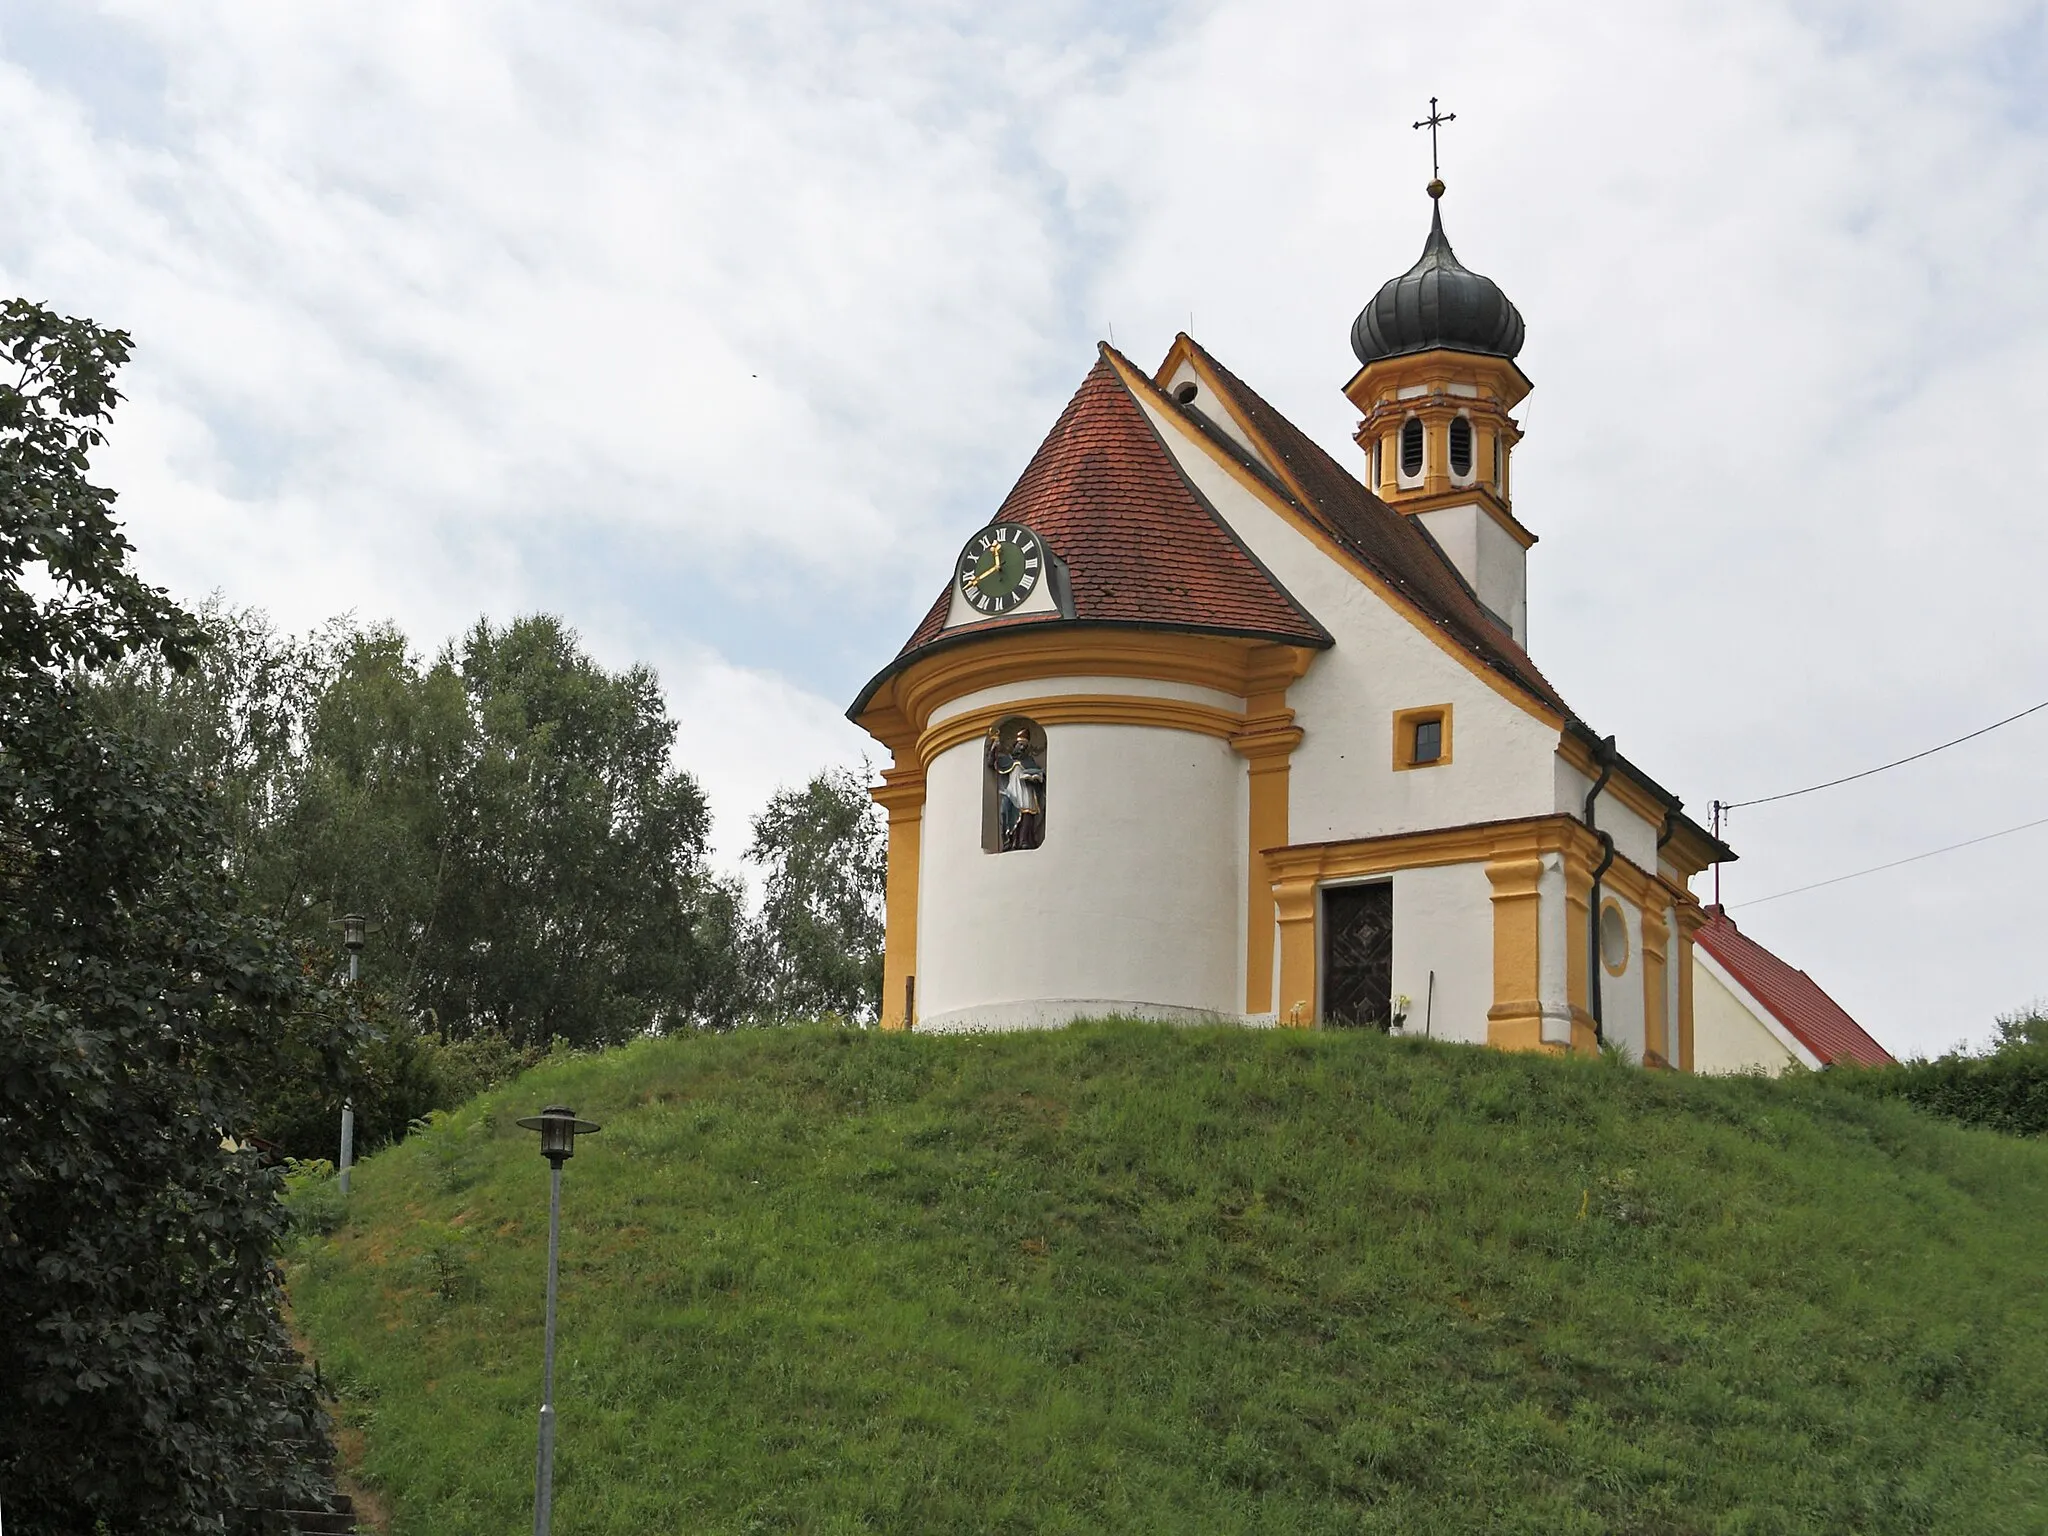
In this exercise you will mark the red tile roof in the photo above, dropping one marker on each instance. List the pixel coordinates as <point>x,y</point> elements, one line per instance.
<point>1139,543</point>
<point>1395,548</point>
<point>1794,998</point>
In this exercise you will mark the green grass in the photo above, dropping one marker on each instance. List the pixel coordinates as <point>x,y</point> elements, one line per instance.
<point>1136,1279</point>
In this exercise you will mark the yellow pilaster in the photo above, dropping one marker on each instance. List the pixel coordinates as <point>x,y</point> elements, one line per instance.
<point>1656,1026</point>
<point>901,793</point>
<point>1515,1021</point>
<point>1690,920</point>
<point>1294,900</point>
<point>1436,449</point>
<point>1266,742</point>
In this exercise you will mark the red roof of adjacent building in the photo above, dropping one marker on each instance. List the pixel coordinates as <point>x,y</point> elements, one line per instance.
<point>1794,998</point>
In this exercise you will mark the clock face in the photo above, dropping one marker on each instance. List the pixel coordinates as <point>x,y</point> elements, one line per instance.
<point>1001,566</point>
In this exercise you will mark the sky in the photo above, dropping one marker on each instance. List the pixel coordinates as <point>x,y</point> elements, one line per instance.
<point>714,330</point>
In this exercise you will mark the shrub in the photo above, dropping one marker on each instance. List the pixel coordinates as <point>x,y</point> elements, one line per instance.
<point>2005,1089</point>
<point>312,1194</point>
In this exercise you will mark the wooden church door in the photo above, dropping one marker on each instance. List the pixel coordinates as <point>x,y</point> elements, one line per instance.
<point>1358,954</point>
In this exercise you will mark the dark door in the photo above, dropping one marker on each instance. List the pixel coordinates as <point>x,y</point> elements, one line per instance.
<point>1358,954</point>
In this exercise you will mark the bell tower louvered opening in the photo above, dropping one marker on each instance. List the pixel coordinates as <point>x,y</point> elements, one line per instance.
<point>1461,446</point>
<point>1411,448</point>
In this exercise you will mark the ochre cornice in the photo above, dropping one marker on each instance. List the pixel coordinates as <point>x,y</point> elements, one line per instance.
<point>901,710</point>
<point>1481,495</point>
<point>1498,379</point>
<point>1487,841</point>
<point>1081,709</point>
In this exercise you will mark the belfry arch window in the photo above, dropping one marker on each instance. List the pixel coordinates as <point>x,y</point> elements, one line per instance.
<point>1411,447</point>
<point>1013,786</point>
<point>1461,445</point>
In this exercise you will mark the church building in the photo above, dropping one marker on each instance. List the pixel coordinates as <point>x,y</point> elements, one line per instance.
<point>1209,725</point>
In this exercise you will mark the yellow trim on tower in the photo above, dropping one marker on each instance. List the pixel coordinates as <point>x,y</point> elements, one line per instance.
<point>1081,709</point>
<point>1293,515</point>
<point>1478,494</point>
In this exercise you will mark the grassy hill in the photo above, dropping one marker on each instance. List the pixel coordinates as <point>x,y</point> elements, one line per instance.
<point>1134,1279</point>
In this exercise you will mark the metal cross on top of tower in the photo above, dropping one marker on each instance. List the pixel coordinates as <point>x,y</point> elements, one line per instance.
<point>1434,121</point>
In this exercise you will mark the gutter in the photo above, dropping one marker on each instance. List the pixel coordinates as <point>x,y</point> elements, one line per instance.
<point>1603,754</point>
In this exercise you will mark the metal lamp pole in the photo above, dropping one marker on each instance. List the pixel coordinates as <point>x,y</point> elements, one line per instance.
<point>354,929</point>
<point>559,1128</point>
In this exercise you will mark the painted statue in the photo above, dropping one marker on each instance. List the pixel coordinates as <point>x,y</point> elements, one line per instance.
<point>1020,790</point>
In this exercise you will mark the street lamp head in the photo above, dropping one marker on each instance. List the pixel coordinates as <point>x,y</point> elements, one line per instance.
<point>559,1128</point>
<point>355,929</point>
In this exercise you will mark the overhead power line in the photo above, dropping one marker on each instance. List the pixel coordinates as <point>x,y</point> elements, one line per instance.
<point>1793,794</point>
<point>1895,863</point>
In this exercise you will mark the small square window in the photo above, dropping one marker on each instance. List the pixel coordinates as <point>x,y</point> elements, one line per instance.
<point>1422,737</point>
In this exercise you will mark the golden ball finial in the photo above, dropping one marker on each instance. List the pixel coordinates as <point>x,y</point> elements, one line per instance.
<point>1435,188</point>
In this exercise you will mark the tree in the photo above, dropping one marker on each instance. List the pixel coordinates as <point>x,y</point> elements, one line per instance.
<point>146,1378</point>
<point>508,812</point>
<point>575,901</point>
<point>820,940</point>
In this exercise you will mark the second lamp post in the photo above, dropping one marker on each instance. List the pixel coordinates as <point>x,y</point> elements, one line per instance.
<point>559,1128</point>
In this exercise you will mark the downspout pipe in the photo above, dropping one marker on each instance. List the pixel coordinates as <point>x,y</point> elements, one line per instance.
<point>1604,755</point>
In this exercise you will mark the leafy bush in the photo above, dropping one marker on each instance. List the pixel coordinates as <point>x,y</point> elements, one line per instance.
<point>403,1073</point>
<point>147,1380</point>
<point>2005,1089</point>
<point>312,1194</point>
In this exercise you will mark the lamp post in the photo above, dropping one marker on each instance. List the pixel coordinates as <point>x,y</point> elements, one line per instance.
<point>355,928</point>
<point>559,1128</point>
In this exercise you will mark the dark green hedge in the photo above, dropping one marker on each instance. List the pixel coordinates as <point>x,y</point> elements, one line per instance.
<point>2004,1090</point>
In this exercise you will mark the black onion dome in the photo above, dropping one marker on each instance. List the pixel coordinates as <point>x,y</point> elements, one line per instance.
<point>1438,302</point>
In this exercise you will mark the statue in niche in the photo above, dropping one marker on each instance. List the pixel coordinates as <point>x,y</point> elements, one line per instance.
<point>1016,774</point>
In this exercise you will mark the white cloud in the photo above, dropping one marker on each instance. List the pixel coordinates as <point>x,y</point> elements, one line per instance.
<point>711,330</point>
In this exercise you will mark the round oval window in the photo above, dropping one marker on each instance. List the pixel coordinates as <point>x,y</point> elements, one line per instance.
<point>1613,939</point>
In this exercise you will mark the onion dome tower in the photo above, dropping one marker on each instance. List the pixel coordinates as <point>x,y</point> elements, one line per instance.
<point>1437,380</point>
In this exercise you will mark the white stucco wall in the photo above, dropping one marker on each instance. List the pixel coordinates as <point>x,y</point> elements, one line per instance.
<point>1443,922</point>
<point>1488,557</point>
<point>1213,409</point>
<point>1343,784</point>
<point>1730,1031</point>
<point>1622,1018</point>
<point>1553,929</point>
<point>1634,838</point>
<point>1133,904</point>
